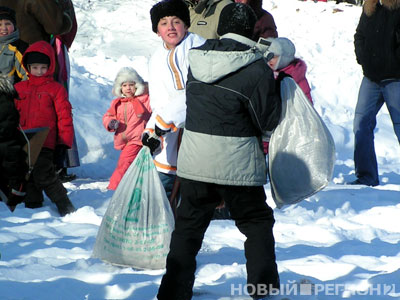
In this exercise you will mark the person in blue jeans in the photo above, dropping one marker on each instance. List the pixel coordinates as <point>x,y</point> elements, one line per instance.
<point>377,48</point>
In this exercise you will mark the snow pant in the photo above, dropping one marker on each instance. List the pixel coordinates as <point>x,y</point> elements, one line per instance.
<point>44,178</point>
<point>253,217</point>
<point>127,156</point>
<point>371,97</point>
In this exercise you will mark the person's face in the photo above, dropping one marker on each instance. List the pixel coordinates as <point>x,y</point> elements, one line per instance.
<point>273,61</point>
<point>172,30</point>
<point>38,69</point>
<point>242,1</point>
<point>128,89</point>
<point>6,27</point>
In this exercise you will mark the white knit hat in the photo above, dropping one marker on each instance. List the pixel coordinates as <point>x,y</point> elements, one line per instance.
<point>285,49</point>
<point>128,74</point>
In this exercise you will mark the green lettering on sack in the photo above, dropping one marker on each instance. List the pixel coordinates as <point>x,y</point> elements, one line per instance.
<point>134,206</point>
<point>144,162</point>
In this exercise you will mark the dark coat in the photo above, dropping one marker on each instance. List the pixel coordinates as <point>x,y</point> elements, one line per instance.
<point>265,26</point>
<point>12,157</point>
<point>44,102</point>
<point>377,40</point>
<point>37,20</point>
<point>231,101</point>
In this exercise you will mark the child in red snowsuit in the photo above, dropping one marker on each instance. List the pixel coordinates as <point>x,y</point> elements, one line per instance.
<point>43,102</point>
<point>127,117</point>
<point>284,61</point>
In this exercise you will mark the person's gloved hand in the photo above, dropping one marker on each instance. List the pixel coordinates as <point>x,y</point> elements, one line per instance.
<point>60,152</point>
<point>152,141</point>
<point>113,125</point>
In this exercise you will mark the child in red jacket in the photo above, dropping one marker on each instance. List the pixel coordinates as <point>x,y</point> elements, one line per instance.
<point>127,118</point>
<point>43,102</point>
<point>285,61</point>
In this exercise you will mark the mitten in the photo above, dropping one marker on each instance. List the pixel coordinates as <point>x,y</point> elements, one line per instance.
<point>152,141</point>
<point>113,125</point>
<point>59,155</point>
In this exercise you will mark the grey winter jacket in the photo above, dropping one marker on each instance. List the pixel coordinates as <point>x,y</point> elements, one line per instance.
<point>231,101</point>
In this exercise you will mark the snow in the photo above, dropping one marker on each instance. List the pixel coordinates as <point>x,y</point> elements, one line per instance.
<point>341,243</point>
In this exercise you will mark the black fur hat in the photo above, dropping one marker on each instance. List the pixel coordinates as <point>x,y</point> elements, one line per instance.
<point>36,58</point>
<point>169,8</point>
<point>237,18</point>
<point>7,14</point>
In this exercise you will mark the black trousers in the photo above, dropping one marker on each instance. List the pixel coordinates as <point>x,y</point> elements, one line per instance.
<point>44,178</point>
<point>253,217</point>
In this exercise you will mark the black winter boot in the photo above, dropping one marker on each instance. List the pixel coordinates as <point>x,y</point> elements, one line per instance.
<point>65,207</point>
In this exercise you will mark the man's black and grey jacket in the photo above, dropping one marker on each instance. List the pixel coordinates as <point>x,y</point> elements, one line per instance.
<point>231,100</point>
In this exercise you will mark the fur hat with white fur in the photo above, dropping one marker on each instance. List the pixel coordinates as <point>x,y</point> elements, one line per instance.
<point>128,74</point>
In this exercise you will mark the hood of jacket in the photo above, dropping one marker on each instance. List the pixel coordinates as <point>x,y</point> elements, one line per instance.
<point>256,5</point>
<point>370,5</point>
<point>46,49</point>
<point>211,65</point>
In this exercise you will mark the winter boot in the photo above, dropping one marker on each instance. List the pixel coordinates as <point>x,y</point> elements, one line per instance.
<point>65,207</point>
<point>34,196</point>
<point>64,176</point>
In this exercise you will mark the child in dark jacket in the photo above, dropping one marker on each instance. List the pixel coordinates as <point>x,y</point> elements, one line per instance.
<point>127,118</point>
<point>11,47</point>
<point>12,158</point>
<point>43,102</point>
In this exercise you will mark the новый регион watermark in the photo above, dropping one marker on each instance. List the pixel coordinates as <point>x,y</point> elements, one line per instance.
<point>310,289</point>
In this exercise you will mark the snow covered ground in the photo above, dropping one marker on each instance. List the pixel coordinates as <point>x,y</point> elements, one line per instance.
<point>340,243</point>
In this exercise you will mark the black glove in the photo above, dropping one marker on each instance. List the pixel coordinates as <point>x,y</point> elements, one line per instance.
<point>59,155</point>
<point>159,131</point>
<point>152,142</point>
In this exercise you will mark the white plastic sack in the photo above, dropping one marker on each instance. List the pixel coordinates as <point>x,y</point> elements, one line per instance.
<point>301,149</point>
<point>136,228</point>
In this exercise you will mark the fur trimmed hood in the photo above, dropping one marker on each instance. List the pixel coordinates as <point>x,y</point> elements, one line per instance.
<point>370,5</point>
<point>128,74</point>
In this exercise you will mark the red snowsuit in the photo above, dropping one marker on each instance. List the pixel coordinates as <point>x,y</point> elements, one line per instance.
<point>44,102</point>
<point>132,114</point>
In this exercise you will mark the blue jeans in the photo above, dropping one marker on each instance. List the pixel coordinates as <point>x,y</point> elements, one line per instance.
<point>167,181</point>
<point>371,97</point>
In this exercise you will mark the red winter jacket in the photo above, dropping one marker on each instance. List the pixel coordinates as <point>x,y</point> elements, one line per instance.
<point>44,102</point>
<point>133,114</point>
<point>297,69</point>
